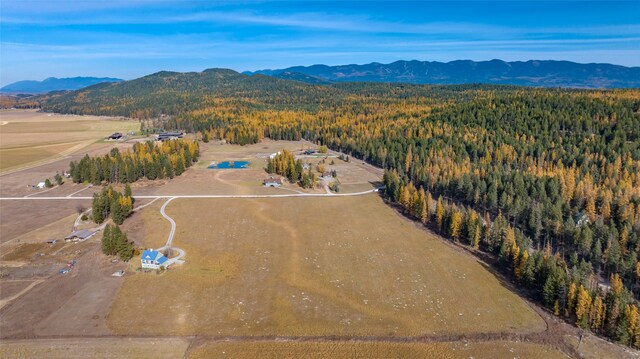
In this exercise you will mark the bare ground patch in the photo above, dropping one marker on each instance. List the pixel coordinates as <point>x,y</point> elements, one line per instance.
<point>72,304</point>
<point>345,349</point>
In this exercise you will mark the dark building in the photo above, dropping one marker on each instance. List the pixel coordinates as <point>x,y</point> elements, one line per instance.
<point>170,136</point>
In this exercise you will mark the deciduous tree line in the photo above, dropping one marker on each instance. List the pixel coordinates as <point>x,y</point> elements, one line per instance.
<point>568,288</point>
<point>150,160</point>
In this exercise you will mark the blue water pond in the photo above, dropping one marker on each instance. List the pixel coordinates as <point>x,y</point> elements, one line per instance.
<point>229,164</point>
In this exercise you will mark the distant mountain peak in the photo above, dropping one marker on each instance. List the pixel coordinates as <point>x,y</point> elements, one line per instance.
<point>55,84</point>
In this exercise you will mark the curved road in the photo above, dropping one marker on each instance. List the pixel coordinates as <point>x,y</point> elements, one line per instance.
<point>172,232</point>
<point>173,223</point>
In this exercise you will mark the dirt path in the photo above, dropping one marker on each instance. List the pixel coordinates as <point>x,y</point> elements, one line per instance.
<point>78,191</point>
<point>198,341</point>
<point>172,232</point>
<point>169,244</point>
<point>6,301</point>
<point>218,176</point>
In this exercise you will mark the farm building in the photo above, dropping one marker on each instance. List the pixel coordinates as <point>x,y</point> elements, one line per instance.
<point>41,185</point>
<point>80,235</point>
<point>152,259</point>
<point>273,182</point>
<point>115,136</point>
<point>165,136</point>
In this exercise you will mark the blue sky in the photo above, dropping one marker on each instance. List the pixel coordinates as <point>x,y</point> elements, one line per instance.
<point>129,39</point>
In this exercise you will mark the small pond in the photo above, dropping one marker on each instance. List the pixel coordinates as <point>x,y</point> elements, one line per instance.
<point>229,164</point>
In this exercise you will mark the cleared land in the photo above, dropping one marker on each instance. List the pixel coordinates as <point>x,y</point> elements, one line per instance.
<point>314,267</point>
<point>288,277</point>
<point>72,304</point>
<point>373,350</point>
<point>29,137</point>
<point>94,348</point>
<point>38,221</point>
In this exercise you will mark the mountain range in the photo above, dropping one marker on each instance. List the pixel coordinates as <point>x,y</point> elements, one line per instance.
<point>54,84</point>
<point>535,73</point>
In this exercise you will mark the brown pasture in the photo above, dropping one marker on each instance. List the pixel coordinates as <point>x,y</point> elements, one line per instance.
<point>302,266</point>
<point>373,350</point>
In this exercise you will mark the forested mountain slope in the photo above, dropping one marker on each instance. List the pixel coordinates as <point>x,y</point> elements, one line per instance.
<point>530,73</point>
<point>547,180</point>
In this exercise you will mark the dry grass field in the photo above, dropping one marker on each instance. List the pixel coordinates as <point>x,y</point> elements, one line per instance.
<point>31,221</point>
<point>263,278</point>
<point>107,348</point>
<point>147,228</point>
<point>305,267</point>
<point>377,350</point>
<point>593,347</point>
<point>29,137</point>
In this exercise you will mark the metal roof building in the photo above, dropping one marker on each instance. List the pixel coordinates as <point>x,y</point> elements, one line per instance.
<point>82,234</point>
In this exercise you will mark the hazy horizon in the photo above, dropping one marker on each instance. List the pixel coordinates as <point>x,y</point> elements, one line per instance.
<point>135,38</point>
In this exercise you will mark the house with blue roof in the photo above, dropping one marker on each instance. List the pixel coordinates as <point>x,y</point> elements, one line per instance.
<point>153,259</point>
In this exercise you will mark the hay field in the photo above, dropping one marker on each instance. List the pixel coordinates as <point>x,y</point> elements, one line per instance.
<point>29,137</point>
<point>314,267</point>
<point>381,350</point>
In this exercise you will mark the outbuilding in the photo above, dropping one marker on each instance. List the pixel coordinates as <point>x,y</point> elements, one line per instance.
<point>115,136</point>
<point>80,235</point>
<point>273,182</point>
<point>166,136</point>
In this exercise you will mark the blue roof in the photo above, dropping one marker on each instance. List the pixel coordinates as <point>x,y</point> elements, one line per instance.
<point>149,254</point>
<point>152,255</point>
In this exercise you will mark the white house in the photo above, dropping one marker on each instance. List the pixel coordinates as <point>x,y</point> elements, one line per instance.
<point>152,259</point>
<point>273,155</point>
<point>40,185</point>
<point>272,182</point>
